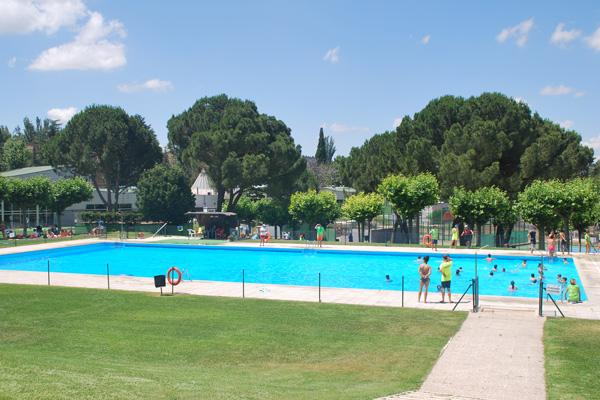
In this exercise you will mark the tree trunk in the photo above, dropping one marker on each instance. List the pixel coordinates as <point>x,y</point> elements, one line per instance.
<point>579,231</point>
<point>508,233</point>
<point>220,199</point>
<point>395,228</point>
<point>478,229</point>
<point>567,235</point>
<point>99,192</point>
<point>542,237</point>
<point>410,229</point>
<point>369,230</point>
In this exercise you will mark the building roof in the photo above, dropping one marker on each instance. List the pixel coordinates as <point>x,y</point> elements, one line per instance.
<point>202,185</point>
<point>26,171</point>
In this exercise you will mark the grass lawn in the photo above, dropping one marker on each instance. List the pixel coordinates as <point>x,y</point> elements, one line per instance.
<point>67,343</point>
<point>572,349</point>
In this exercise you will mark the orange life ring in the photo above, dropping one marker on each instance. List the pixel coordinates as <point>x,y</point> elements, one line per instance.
<point>427,240</point>
<point>179,276</point>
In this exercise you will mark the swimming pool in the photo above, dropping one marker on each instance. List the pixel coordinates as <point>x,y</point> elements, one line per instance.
<point>338,268</point>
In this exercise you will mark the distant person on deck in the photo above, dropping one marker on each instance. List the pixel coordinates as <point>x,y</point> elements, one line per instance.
<point>435,236</point>
<point>454,242</point>
<point>467,234</point>
<point>532,239</point>
<point>563,241</point>
<point>588,242</point>
<point>424,277</point>
<point>320,234</point>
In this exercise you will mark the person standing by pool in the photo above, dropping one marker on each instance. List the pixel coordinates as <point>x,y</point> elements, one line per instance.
<point>320,233</point>
<point>424,277</point>
<point>435,236</point>
<point>446,270</point>
<point>263,233</point>
<point>551,245</point>
<point>588,242</point>
<point>532,238</point>
<point>454,242</point>
<point>467,233</point>
<point>563,241</point>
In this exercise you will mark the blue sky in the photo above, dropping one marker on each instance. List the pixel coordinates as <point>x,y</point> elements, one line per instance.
<point>352,67</point>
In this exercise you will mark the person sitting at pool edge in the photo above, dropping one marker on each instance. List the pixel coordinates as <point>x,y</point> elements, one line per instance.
<point>573,292</point>
<point>446,269</point>
<point>512,287</point>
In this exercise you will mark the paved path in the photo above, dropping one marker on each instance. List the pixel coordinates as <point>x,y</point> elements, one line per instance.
<point>496,355</point>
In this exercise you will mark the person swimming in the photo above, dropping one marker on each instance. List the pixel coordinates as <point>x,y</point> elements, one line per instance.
<point>512,287</point>
<point>495,268</point>
<point>565,261</point>
<point>388,279</point>
<point>524,264</point>
<point>491,273</point>
<point>458,271</point>
<point>533,279</point>
<point>503,269</point>
<point>489,258</point>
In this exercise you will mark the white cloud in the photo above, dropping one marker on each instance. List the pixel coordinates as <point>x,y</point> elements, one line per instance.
<point>337,127</point>
<point>579,94</point>
<point>594,143</point>
<point>332,55</point>
<point>154,85</point>
<point>519,32</point>
<point>594,40</point>
<point>559,90</point>
<point>397,122</point>
<point>560,36</point>
<point>92,48</point>
<point>567,124</point>
<point>26,16</point>
<point>425,39</point>
<point>12,62</point>
<point>62,115</point>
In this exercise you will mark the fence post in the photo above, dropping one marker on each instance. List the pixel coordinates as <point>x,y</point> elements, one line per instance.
<point>108,276</point>
<point>48,272</point>
<point>402,290</point>
<point>319,287</point>
<point>243,283</point>
<point>474,295</point>
<point>540,302</point>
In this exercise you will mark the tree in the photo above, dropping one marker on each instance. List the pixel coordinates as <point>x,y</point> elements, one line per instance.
<point>237,146</point>
<point>536,206</point>
<point>362,208</point>
<point>409,195</point>
<point>109,147</point>
<point>576,203</point>
<point>37,137</point>
<point>66,192</point>
<point>311,207</point>
<point>480,206</point>
<point>246,210</point>
<point>486,140</point>
<point>28,193</point>
<point>272,212</point>
<point>15,154</point>
<point>325,148</point>
<point>163,194</point>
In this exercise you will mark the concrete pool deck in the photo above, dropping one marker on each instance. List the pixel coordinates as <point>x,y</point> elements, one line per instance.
<point>588,268</point>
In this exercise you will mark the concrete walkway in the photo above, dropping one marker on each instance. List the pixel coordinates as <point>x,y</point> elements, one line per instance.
<point>496,355</point>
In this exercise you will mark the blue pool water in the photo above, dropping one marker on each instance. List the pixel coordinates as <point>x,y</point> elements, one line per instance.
<point>341,269</point>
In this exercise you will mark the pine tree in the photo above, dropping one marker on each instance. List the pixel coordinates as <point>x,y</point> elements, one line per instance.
<point>321,154</point>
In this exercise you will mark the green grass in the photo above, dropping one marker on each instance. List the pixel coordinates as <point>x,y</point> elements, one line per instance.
<point>572,353</point>
<point>66,343</point>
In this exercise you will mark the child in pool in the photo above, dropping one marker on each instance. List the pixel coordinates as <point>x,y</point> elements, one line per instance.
<point>512,287</point>
<point>489,258</point>
<point>524,264</point>
<point>533,279</point>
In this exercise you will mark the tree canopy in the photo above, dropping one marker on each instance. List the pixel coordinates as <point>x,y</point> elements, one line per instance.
<point>108,146</point>
<point>311,207</point>
<point>363,207</point>
<point>67,192</point>
<point>238,147</point>
<point>481,141</point>
<point>325,148</point>
<point>163,194</point>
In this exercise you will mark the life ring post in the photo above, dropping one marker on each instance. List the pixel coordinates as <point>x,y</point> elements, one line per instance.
<point>172,281</point>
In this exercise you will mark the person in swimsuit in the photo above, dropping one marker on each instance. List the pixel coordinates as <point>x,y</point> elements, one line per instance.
<point>588,242</point>
<point>563,241</point>
<point>424,275</point>
<point>512,287</point>
<point>454,242</point>
<point>320,233</point>
<point>551,245</point>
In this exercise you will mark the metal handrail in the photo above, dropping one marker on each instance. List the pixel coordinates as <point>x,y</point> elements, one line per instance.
<point>463,295</point>
<point>555,305</point>
<point>159,229</point>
